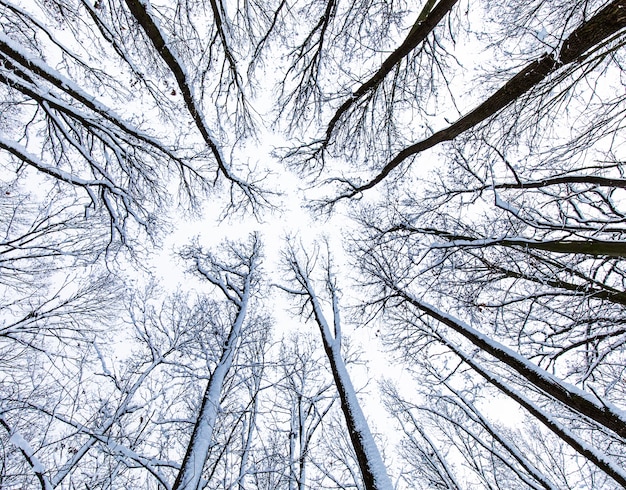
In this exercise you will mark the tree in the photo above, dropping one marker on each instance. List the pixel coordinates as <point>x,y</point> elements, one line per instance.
<point>394,277</point>
<point>522,238</point>
<point>587,44</point>
<point>368,457</point>
<point>472,155</point>
<point>307,396</point>
<point>238,279</point>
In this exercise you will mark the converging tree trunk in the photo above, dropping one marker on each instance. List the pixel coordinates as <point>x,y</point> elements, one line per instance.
<point>465,159</point>
<point>370,462</point>
<point>236,280</point>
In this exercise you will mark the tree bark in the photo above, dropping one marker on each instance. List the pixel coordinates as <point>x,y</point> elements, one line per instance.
<point>590,34</point>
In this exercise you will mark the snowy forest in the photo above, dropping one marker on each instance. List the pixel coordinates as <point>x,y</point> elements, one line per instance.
<point>312,244</point>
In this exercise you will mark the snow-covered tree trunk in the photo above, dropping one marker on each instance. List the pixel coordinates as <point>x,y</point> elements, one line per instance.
<point>236,282</point>
<point>370,462</point>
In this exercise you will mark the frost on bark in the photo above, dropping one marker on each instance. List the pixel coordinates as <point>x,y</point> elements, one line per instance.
<point>237,279</point>
<point>373,471</point>
<point>585,42</point>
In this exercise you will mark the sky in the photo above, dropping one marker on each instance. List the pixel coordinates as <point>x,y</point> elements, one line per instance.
<point>473,70</point>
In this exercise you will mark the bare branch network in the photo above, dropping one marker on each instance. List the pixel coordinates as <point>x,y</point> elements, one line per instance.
<point>447,309</point>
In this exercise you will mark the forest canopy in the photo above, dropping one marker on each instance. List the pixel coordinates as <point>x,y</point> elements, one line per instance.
<point>407,259</point>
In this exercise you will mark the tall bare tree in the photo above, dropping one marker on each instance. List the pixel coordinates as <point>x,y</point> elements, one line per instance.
<point>373,471</point>
<point>475,153</point>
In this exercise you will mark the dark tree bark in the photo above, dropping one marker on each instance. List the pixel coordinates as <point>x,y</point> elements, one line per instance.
<point>590,35</point>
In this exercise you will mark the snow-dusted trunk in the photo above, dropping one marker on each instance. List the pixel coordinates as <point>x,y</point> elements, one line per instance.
<point>303,446</point>
<point>247,439</point>
<point>601,411</point>
<point>293,455</point>
<point>603,461</point>
<point>370,462</point>
<point>236,283</point>
<point>250,429</point>
<point>369,459</point>
<point>198,449</point>
<point>27,452</point>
